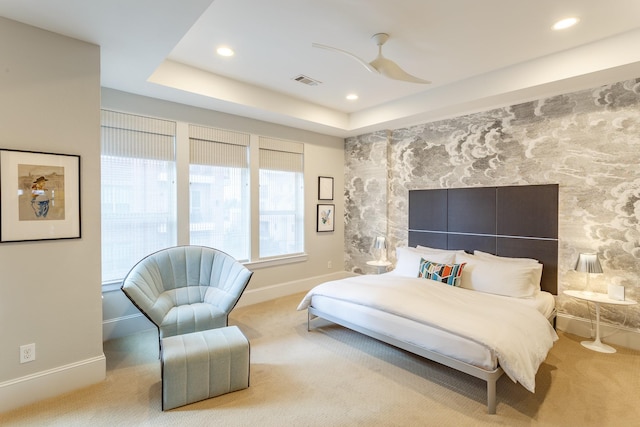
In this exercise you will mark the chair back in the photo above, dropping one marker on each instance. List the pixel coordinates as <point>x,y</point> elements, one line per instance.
<point>183,275</point>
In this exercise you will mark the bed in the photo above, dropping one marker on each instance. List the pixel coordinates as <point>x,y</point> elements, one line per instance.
<point>473,289</point>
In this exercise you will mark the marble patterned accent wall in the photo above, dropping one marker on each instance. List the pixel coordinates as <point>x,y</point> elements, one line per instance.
<point>588,142</point>
<point>366,197</point>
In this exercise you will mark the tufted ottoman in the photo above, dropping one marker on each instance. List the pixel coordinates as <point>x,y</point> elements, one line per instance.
<point>200,365</point>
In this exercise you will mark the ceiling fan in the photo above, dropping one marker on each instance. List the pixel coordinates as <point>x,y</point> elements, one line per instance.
<point>380,65</point>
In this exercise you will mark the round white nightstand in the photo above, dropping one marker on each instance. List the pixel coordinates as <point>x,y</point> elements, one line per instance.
<point>381,265</point>
<point>597,299</point>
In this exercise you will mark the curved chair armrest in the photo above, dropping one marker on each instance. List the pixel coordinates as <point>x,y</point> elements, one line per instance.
<point>144,287</point>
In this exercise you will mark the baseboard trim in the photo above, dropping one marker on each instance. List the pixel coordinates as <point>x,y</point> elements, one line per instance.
<point>52,382</point>
<point>611,334</point>
<point>125,325</point>
<point>267,293</point>
<point>135,323</point>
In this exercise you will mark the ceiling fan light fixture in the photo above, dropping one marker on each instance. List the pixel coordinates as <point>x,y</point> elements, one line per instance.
<point>380,65</point>
<point>565,23</point>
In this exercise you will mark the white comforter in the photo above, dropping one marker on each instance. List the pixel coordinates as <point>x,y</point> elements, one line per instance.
<point>520,336</point>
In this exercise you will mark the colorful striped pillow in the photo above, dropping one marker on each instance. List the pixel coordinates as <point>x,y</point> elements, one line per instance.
<point>445,273</point>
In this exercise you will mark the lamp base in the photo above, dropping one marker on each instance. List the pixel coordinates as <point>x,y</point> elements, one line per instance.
<point>598,346</point>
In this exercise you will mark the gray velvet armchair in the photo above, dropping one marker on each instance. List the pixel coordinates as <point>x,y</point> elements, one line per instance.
<point>186,289</point>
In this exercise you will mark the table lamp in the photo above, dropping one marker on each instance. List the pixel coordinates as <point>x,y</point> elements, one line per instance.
<point>380,249</point>
<point>588,263</point>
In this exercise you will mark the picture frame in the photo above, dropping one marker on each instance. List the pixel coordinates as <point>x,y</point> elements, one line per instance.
<point>39,196</point>
<point>325,188</point>
<point>326,217</point>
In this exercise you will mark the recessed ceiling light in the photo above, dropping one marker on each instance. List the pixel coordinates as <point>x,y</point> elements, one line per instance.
<point>565,23</point>
<point>224,51</point>
<point>352,97</point>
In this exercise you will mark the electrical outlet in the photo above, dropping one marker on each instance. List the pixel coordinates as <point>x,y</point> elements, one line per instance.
<point>27,353</point>
<point>329,264</point>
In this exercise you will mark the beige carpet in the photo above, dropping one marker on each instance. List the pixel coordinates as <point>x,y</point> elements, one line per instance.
<point>334,377</point>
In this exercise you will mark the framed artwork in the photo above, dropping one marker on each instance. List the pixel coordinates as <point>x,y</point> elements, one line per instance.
<point>326,217</point>
<point>39,196</point>
<point>325,188</point>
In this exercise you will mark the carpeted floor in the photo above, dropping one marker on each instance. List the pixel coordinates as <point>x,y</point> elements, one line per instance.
<point>335,377</point>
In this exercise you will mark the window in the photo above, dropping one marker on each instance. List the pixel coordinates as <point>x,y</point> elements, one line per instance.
<point>219,190</point>
<point>138,190</point>
<point>141,178</point>
<point>281,198</point>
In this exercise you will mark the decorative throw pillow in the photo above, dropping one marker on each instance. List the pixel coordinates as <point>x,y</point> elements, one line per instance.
<point>445,273</point>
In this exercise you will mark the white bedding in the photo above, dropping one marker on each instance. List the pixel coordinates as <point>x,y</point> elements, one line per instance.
<point>408,331</point>
<point>520,343</point>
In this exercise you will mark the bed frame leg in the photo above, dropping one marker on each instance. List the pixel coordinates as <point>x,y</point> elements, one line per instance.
<point>310,317</point>
<point>491,396</point>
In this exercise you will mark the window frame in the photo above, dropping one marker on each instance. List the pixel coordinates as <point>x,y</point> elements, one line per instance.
<point>182,159</point>
<point>157,148</point>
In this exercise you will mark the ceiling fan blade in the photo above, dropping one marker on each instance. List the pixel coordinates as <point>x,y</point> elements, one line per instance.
<point>362,62</point>
<point>390,69</point>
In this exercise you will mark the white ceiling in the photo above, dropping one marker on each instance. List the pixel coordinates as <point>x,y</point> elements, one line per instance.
<point>478,54</point>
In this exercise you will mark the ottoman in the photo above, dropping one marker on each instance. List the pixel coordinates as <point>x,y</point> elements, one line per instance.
<point>204,364</point>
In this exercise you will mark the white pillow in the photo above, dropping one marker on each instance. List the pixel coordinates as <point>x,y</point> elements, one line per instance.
<point>408,260</point>
<point>429,250</point>
<point>512,279</point>
<point>489,256</point>
<point>535,278</point>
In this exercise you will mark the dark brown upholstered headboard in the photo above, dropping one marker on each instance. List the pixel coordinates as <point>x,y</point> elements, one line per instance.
<point>514,221</point>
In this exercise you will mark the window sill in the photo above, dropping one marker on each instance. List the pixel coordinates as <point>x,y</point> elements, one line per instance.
<point>111,286</point>
<point>276,261</point>
<point>254,265</point>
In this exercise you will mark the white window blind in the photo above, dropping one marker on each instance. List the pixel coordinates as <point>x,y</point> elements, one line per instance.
<point>219,190</point>
<point>281,197</point>
<point>138,190</point>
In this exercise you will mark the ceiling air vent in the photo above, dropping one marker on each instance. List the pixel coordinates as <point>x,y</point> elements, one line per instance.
<point>306,80</point>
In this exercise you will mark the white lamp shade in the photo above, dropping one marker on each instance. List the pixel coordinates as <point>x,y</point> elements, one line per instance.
<point>380,243</point>
<point>380,249</point>
<point>588,263</point>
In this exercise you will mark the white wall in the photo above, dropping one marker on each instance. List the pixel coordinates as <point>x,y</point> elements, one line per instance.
<point>50,290</point>
<point>324,156</point>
